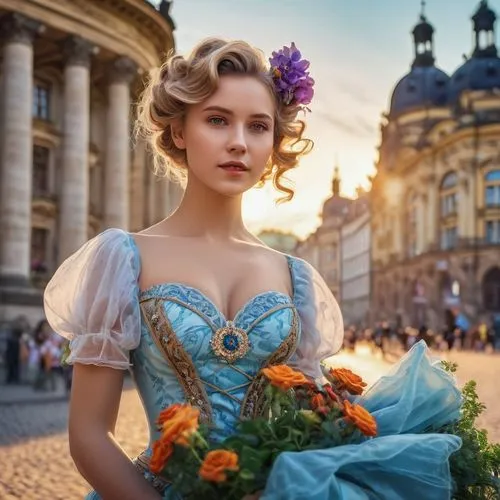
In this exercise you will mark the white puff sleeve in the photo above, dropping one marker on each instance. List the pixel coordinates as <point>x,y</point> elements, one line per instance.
<point>322,326</point>
<point>93,300</point>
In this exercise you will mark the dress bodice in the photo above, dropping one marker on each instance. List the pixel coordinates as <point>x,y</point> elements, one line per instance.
<point>178,345</point>
<point>189,352</point>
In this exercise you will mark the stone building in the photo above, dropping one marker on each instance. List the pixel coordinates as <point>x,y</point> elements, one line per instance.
<point>70,70</point>
<point>436,194</point>
<point>322,248</point>
<point>355,256</point>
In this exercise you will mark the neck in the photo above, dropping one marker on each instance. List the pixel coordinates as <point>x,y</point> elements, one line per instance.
<point>207,214</point>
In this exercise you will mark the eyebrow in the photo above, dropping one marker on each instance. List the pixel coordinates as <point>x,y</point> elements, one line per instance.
<point>229,112</point>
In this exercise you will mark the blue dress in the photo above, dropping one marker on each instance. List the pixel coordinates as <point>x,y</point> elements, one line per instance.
<point>180,348</point>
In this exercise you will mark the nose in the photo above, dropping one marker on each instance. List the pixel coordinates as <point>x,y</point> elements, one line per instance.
<point>237,141</point>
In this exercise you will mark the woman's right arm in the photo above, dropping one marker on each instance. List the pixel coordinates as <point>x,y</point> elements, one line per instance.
<point>95,399</point>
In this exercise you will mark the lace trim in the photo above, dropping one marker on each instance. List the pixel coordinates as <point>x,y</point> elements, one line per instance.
<point>253,403</point>
<point>167,342</point>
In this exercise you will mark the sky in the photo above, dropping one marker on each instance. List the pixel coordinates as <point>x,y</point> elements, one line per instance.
<point>358,49</point>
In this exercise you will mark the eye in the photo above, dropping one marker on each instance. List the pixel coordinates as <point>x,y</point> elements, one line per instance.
<point>259,127</point>
<point>216,120</point>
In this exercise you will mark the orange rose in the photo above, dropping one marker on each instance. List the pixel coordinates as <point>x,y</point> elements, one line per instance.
<point>169,413</point>
<point>348,380</point>
<point>216,463</point>
<point>283,377</point>
<point>317,401</point>
<point>361,418</point>
<point>183,423</point>
<point>162,450</point>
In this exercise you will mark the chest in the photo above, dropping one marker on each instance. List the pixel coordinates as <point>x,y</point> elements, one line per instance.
<point>228,278</point>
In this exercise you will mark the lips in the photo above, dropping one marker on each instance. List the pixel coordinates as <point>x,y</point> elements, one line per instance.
<point>234,166</point>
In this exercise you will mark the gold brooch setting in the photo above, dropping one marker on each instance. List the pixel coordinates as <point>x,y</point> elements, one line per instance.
<point>230,342</point>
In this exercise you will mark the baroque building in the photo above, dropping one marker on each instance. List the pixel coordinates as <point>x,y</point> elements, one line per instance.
<point>355,256</point>
<point>70,70</point>
<point>322,248</point>
<point>436,194</point>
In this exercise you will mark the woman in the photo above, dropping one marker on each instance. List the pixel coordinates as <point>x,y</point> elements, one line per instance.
<point>195,305</point>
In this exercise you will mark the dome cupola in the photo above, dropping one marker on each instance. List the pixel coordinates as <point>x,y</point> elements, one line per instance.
<point>425,85</point>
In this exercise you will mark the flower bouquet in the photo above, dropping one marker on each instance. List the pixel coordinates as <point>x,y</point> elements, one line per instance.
<point>301,416</point>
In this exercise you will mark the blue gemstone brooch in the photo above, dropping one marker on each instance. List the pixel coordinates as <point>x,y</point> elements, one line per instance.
<point>230,343</point>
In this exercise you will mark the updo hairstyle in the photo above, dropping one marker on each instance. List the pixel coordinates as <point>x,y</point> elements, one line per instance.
<point>182,81</point>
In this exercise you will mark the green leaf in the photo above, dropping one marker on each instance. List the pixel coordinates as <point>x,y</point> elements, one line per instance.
<point>253,460</point>
<point>247,475</point>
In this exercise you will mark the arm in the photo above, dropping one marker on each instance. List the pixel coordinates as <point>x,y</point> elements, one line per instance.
<point>95,399</point>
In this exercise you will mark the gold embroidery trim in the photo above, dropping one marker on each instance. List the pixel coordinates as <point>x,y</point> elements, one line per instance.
<point>159,483</point>
<point>253,403</point>
<point>169,345</point>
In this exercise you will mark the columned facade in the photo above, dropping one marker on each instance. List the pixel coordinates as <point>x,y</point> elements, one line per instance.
<point>69,165</point>
<point>16,150</point>
<point>74,193</point>
<point>116,172</point>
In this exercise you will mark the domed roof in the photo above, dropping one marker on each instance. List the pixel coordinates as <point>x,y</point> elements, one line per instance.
<point>482,70</point>
<point>335,206</point>
<point>425,84</point>
<point>478,73</point>
<point>422,86</point>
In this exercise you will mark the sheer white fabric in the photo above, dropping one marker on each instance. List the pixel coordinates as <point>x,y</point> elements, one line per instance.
<point>321,320</point>
<point>92,300</point>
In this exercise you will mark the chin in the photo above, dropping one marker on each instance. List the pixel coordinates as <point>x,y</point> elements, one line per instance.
<point>231,192</point>
<point>232,189</point>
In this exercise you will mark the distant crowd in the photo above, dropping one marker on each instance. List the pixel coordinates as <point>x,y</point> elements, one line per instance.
<point>34,356</point>
<point>482,337</point>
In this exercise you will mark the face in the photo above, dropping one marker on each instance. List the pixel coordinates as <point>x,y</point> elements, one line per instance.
<point>229,137</point>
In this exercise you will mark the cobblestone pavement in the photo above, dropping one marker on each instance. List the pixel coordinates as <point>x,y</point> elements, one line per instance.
<point>34,455</point>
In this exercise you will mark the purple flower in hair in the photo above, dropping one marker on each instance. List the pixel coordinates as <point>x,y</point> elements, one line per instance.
<point>290,75</point>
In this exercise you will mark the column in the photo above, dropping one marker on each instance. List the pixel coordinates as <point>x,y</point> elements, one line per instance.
<point>421,223</point>
<point>16,149</point>
<point>138,187</point>
<point>432,212</point>
<point>74,196</point>
<point>463,197</point>
<point>116,171</point>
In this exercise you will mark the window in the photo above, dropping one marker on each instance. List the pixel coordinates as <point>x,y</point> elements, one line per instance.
<point>41,101</point>
<point>448,238</point>
<point>492,188</point>
<point>493,231</point>
<point>449,195</point>
<point>491,290</point>
<point>39,243</point>
<point>41,165</point>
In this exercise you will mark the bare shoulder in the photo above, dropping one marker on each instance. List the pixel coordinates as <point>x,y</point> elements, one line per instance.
<point>258,253</point>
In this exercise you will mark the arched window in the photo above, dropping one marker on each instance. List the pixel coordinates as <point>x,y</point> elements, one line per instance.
<point>449,198</point>
<point>491,290</point>
<point>492,188</point>
<point>448,194</point>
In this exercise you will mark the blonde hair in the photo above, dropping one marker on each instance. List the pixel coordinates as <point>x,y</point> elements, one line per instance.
<point>181,81</point>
